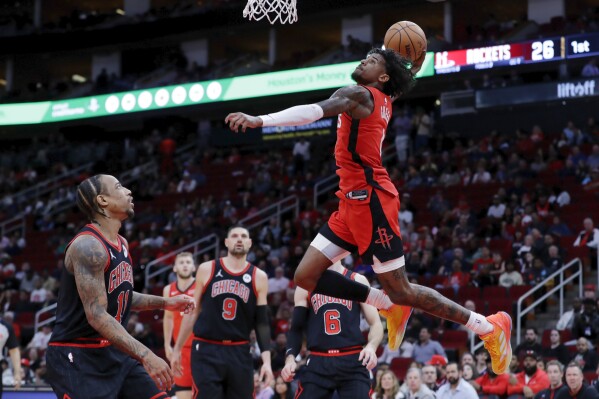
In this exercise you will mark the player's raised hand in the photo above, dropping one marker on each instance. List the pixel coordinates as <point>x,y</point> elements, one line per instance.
<point>368,357</point>
<point>288,372</point>
<point>159,371</point>
<point>180,303</point>
<point>266,374</point>
<point>238,120</point>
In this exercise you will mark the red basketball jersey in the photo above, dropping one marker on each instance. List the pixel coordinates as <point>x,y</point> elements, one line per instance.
<point>173,290</point>
<point>359,146</point>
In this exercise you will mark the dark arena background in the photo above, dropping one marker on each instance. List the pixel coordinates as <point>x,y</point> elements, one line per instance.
<point>495,153</point>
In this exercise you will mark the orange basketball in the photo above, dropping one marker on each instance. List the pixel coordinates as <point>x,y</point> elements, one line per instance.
<point>408,39</point>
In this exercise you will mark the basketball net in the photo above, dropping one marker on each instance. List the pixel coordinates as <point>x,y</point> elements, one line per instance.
<point>284,11</point>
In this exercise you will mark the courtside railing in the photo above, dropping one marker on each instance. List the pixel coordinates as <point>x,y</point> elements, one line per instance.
<point>41,316</point>
<point>208,244</point>
<point>558,277</point>
<point>275,210</point>
<point>212,242</point>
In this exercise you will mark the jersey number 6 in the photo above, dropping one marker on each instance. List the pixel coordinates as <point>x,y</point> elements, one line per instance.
<point>332,322</point>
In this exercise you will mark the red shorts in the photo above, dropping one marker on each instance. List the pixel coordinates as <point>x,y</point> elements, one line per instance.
<point>183,383</point>
<point>371,226</point>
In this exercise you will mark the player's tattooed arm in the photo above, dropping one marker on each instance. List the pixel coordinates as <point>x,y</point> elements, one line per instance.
<point>147,302</point>
<point>355,100</point>
<point>88,258</point>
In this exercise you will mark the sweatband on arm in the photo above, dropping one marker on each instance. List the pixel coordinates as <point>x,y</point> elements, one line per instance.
<point>262,328</point>
<point>296,331</point>
<point>294,116</point>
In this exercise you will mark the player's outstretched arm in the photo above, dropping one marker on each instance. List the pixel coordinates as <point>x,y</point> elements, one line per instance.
<point>356,100</point>
<point>262,327</point>
<point>296,333</point>
<point>375,335</point>
<point>87,258</point>
<point>179,303</point>
<point>203,276</point>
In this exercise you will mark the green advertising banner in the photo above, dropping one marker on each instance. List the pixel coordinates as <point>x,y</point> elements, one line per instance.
<point>251,86</point>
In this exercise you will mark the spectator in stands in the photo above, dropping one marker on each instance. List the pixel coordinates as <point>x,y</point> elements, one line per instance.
<point>559,197</point>
<point>577,387</point>
<point>425,348</point>
<point>387,387</point>
<point>301,156</point>
<point>262,391</point>
<point>558,228</point>
<point>590,69</point>
<point>586,323</point>
<point>414,388</point>
<point>510,276</point>
<point>278,283</point>
<point>482,360</point>
<point>406,217</point>
<point>278,352</point>
<point>530,343</point>
<point>589,237</point>
<point>491,385</point>
<point>402,127</point>
<point>528,382</point>
<point>593,159</point>
<point>406,350</point>
<point>467,358</point>
<point>41,338</point>
<point>27,277</point>
<point>456,278</point>
<point>469,372</point>
<point>39,293</point>
<point>556,349</point>
<point>585,357</point>
<point>429,375</point>
<point>566,321</point>
<point>555,372</point>
<point>481,176</point>
<point>456,386</point>
<point>423,125</point>
<point>188,184</point>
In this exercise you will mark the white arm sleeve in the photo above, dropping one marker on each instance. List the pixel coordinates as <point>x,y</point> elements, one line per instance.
<point>294,116</point>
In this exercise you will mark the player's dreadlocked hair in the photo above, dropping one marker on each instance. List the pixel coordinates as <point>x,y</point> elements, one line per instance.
<point>87,191</point>
<point>401,79</point>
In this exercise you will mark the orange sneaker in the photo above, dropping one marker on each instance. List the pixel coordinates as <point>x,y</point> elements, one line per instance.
<point>497,342</point>
<point>397,319</point>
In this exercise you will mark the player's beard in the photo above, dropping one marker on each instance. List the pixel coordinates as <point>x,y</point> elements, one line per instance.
<point>452,380</point>
<point>130,213</point>
<point>184,276</point>
<point>238,253</point>
<point>355,75</point>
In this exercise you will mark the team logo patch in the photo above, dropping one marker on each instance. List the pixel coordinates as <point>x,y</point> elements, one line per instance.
<point>384,238</point>
<point>247,278</point>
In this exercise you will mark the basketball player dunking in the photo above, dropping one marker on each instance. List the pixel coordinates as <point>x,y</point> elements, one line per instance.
<point>339,359</point>
<point>91,355</point>
<point>184,285</point>
<point>231,297</point>
<point>367,218</point>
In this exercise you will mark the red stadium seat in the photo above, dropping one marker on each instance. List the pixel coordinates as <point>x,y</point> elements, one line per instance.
<point>468,292</point>
<point>400,366</point>
<point>494,291</point>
